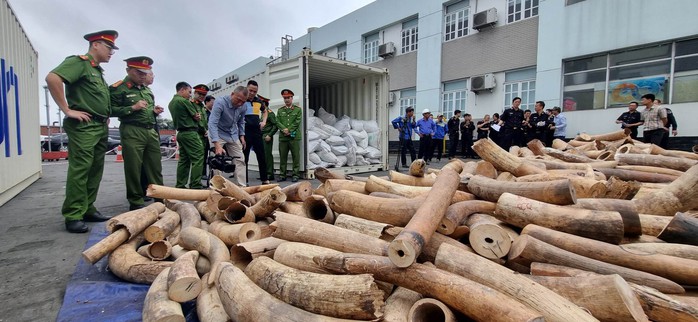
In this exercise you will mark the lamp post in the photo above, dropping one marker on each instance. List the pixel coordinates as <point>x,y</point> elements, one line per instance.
<point>48,120</point>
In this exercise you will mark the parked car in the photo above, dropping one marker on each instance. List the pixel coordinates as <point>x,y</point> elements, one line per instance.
<point>112,144</point>
<point>167,140</point>
<point>57,142</point>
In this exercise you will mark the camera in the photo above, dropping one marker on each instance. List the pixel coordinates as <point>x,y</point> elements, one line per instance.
<point>223,163</point>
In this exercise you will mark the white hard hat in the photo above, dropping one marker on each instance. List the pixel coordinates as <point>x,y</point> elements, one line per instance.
<point>425,111</point>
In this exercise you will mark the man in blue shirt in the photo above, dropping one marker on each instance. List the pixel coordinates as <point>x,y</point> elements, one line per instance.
<point>426,129</point>
<point>439,135</point>
<point>226,128</point>
<point>405,125</point>
<point>560,125</point>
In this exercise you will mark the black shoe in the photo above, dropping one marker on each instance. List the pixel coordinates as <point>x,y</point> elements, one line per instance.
<point>204,177</point>
<point>76,226</point>
<point>270,178</point>
<point>281,179</point>
<point>405,166</point>
<point>294,179</point>
<point>95,217</point>
<point>135,207</point>
<point>147,199</point>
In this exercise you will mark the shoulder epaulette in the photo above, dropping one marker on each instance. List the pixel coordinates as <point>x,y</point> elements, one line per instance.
<point>84,57</point>
<point>117,84</point>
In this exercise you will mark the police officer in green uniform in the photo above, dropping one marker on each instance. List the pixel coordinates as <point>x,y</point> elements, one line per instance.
<point>186,117</point>
<point>289,121</point>
<point>133,102</point>
<point>200,92</point>
<point>268,132</point>
<point>85,103</point>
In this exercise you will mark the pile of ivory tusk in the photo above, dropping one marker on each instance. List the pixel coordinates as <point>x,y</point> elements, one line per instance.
<point>601,228</point>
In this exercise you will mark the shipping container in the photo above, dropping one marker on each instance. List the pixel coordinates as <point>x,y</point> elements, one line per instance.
<point>20,154</point>
<point>340,87</point>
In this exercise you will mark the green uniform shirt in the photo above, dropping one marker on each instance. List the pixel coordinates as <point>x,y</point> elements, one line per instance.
<point>124,94</point>
<point>183,112</point>
<point>85,88</point>
<point>203,123</point>
<point>289,118</point>
<point>270,128</point>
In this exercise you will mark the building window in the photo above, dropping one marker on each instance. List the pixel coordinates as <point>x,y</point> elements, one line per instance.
<point>614,79</point>
<point>571,2</point>
<point>456,20</point>
<point>453,97</point>
<point>685,75</point>
<point>371,48</point>
<point>524,89</point>
<point>342,52</point>
<point>408,98</point>
<point>409,36</point>
<point>521,9</point>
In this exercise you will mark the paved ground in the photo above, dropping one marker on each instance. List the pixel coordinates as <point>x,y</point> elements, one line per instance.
<point>37,255</point>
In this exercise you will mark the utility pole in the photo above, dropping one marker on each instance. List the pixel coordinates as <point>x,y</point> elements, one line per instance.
<point>48,120</point>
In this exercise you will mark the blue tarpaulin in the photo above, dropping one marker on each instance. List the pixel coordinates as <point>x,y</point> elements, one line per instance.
<point>95,294</point>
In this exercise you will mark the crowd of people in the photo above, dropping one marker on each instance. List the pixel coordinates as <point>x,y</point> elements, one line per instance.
<point>231,125</point>
<point>516,127</point>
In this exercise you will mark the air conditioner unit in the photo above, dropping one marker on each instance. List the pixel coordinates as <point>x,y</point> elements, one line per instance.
<point>485,18</point>
<point>391,98</point>
<point>386,50</point>
<point>483,82</point>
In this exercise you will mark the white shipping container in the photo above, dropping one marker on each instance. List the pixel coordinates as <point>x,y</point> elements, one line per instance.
<point>340,87</point>
<point>20,153</point>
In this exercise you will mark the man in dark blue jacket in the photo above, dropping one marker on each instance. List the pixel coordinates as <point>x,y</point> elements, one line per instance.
<point>439,136</point>
<point>405,125</point>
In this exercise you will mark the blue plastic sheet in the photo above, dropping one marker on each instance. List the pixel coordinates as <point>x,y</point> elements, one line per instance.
<point>95,294</point>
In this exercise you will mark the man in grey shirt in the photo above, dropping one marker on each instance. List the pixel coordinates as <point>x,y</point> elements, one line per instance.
<point>226,128</point>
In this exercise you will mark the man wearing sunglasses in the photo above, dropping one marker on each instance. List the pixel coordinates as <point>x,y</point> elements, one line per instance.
<point>133,102</point>
<point>85,102</point>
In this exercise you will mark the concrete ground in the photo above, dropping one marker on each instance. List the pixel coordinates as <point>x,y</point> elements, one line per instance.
<point>37,255</point>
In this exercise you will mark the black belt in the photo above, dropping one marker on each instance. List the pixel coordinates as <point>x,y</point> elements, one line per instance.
<point>187,129</point>
<point>138,124</point>
<point>99,118</point>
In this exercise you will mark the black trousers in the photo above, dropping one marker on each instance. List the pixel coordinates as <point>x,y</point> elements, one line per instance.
<point>665,140</point>
<point>406,145</point>
<point>425,148</point>
<point>438,145</point>
<point>511,137</point>
<point>452,146</point>
<point>654,136</point>
<point>253,140</point>
<point>467,146</point>
<point>207,149</point>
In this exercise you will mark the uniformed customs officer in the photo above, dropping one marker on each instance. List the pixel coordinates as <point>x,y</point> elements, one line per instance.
<point>200,92</point>
<point>511,121</point>
<point>134,103</point>
<point>186,117</point>
<point>289,121</point>
<point>85,103</point>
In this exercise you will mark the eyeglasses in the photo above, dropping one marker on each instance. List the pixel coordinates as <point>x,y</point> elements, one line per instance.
<point>111,48</point>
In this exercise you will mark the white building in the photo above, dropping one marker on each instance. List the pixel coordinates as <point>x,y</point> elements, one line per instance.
<point>593,56</point>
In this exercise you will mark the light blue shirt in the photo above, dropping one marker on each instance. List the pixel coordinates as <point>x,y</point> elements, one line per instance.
<point>426,127</point>
<point>226,122</point>
<point>560,125</point>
